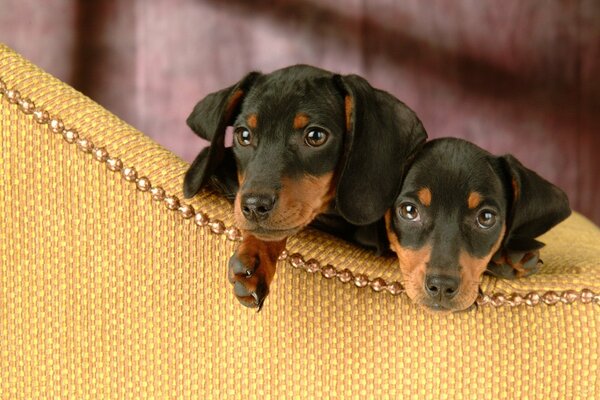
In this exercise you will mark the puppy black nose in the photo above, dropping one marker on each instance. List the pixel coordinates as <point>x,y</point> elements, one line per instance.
<point>257,206</point>
<point>441,286</point>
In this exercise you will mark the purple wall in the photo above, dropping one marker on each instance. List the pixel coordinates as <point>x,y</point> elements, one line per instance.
<point>512,76</point>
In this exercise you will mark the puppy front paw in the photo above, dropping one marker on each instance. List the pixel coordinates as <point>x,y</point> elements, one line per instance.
<point>512,264</point>
<point>249,282</point>
<point>252,268</point>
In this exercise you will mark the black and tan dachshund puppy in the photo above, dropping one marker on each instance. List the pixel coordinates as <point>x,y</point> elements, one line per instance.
<point>307,143</point>
<point>462,211</point>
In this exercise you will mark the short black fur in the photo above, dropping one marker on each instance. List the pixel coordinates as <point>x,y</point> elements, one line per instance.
<point>367,160</point>
<point>469,212</point>
<point>384,135</point>
<point>526,204</point>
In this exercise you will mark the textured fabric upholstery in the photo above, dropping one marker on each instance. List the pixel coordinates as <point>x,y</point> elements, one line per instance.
<point>106,292</point>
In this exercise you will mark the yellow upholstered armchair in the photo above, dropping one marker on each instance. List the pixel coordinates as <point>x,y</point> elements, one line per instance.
<point>112,287</point>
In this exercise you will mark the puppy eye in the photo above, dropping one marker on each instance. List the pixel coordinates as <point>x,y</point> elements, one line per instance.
<point>315,137</point>
<point>243,136</point>
<point>486,219</point>
<point>409,212</point>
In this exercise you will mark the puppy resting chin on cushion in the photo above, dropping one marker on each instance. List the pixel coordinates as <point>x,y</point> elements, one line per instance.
<point>461,212</point>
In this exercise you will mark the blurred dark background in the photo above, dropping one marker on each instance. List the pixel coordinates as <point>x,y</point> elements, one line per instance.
<point>512,76</point>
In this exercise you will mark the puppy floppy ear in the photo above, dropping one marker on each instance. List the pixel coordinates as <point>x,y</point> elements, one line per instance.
<point>209,120</point>
<point>223,178</point>
<point>535,206</point>
<point>382,135</point>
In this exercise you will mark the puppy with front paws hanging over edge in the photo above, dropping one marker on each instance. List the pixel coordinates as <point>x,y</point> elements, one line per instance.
<point>308,145</point>
<point>461,212</point>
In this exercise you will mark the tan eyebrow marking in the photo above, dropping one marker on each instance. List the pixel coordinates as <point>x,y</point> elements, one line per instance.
<point>474,200</point>
<point>348,110</point>
<point>300,121</point>
<point>424,195</point>
<point>252,121</point>
<point>515,186</point>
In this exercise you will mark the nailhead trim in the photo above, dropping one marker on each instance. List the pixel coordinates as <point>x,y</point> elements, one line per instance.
<point>232,233</point>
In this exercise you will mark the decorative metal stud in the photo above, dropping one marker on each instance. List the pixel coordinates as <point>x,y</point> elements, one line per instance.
<point>498,299</point>
<point>283,256</point>
<point>377,284</point>
<point>296,260</point>
<point>395,288</point>
<point>587,296</point>
<point>550,298</point>
<point>26,106</point>
<point>329,271</point>
<point>361,280</point>
<point>114,164</point>
<point>129,174</point>
<point>41,116</point>
<point>532,299</point>
<point>235,235</point>
<point>57,125</point>
<point>312,266</point>
<point>172,202</point>
<point>570,296</point>
<point>186,210</point>
<point>85,145</point>
<point>201,219</point>
<point>70,135</point>
<point>514,300</point>
<point>158,193</point>
<point>100,154</point>
<point>143,184</point>
<point>345,275</point>
<point>13,96</point>
<point>217,227</point>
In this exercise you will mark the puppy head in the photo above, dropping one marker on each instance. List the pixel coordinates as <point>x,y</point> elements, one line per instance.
<point>288,138</point>
<point>289,129</point>
<point>458,206</point>
<point>295,133</point>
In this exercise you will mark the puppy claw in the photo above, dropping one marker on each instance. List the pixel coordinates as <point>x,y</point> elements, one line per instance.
<point>259,302</point>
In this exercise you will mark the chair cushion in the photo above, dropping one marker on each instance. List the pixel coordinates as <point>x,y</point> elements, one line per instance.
<point>110,286</point>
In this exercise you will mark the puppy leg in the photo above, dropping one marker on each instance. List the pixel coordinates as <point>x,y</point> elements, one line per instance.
<point>513,264</point>
<point>252,268</point>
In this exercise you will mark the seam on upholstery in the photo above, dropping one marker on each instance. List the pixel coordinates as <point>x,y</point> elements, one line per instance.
<point>232,233</point>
